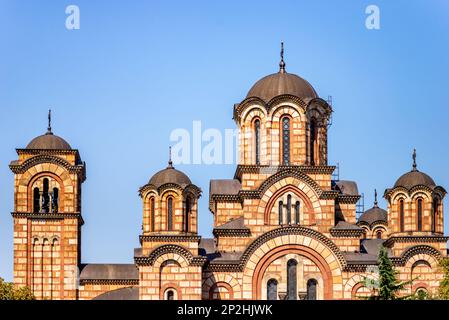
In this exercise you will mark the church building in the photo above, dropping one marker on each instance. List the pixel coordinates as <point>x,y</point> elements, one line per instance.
<point>284,227</point>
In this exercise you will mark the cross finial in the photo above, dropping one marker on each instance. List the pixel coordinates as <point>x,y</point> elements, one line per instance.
<point>282,63</point>
<point>414,160</point>
<point>170,162</point>
<point>375,198</point>
<point>49,122</point>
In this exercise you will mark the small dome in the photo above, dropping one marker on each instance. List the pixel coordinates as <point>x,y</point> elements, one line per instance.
<point>170,175</point>
<point>49,141</point>
<point>374,214</point>
<point>281,83</point>
<point>414,178</point>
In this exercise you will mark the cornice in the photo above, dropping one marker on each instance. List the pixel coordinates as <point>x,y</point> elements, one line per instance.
<point>131,282</point>
<point>169,238</point>
<point>415,239</point>
<point>49,216</point>
<point>226,233</point>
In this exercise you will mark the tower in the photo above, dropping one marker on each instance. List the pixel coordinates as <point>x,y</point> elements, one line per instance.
<point>47,216</point>
<point>168,260</point>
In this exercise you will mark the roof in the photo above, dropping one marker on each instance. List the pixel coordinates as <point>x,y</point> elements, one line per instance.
<point>280,83</point>
<point>225,186</point>
<point>48,141</point>
<point>233,224</point>
<point>373,215</point>
<point>347,187</point>
<point>207,246</point>
<point>130,293</point>
<point>368,254</point>
<point>170,175</point>
<point>414,178</point>
<point>343,225</point>
<point>109,272</point>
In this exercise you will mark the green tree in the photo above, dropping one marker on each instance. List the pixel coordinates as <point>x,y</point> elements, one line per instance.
<point>388,285</point>
<point>444,284</point>
<point>9,292</point>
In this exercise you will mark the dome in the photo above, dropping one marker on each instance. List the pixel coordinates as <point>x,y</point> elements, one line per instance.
<point>414,178</point>
<point>374,214</point>
<point>49,141</point>
<point>281,83</point>
<point>170,175</point>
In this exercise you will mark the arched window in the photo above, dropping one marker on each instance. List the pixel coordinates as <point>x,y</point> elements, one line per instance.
<point>312,141</point>
<point>291,280</point>
<point>36,200</point>
<point>152,214</point>
<point>55,200</point>
<point>311,289</point>
<point>46,197</point>
<point>281,208</point>
<point>401,215</point>
<point>289,209</point>
<point>379,234</point>
<point>297,208</point>
<point>187,215</point>
<point>170,214</point>
<point>257,140</point>
<point>419,208</point>
<point>170,295</point>
<point>285,140</point>
<point>434,214</point>
<point>272,289</point>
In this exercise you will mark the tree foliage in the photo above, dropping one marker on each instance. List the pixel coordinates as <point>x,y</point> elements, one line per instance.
<point>9,292</point>
<point>444,284</point>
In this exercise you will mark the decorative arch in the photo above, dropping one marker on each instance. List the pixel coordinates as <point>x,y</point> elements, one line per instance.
<point>420,252</point>
<point>63,184</point>
<point>213,279</point>
<point>170,286</point>
<point>170,252</point>
<point>218,285</point>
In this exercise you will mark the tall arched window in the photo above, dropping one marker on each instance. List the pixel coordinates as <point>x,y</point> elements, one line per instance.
<point>152,215</point>
<point>291,280</point>
<point>55,200</point>
<point>170,214</point>
<point>272,289</point>
<point>285,140</point>
<point>434,214</point>
<point>401,215</point>
<point>257,140</point>
<point>419,208</point>
<point>281,208</point>
<point>36,200</point>
<point>46,197</point>
<point>187,215</point>
<point>312,141</point>
<point>297,208</point>
<point>311,289</point>
<point>289,209</point>
<point>379,234</point>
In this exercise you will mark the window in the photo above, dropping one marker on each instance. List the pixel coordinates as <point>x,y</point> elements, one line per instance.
<point>434,214</point>
<point>281,207</point>
<point>379,234</point>
<point>170,214</point>
<point>419,214</point>
<point>401,215</point>
<point>187,215</point>
<point>289,209</point>
<point>55,200</point>
<point>36,200</point>
<point>257,140</point>
<point>285,140</point>
<point>312,141</point>
<point>311,289</point>
<point>297,208</point>
<point>152,216</point>
<point>170,295</point>
<point>45,198</point>
<point>272,289</point>
<point>291,280</point>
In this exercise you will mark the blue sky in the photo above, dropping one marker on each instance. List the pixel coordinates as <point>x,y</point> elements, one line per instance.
<point>136,70</point>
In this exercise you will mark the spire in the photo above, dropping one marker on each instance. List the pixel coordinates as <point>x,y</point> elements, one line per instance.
<point>375,198</point>
<point>170,162</point>
<point>49,122</point>
<point>282,63</point>
<point>414,160</point>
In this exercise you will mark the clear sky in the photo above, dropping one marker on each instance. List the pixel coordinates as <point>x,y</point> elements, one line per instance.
<point>136,70</point>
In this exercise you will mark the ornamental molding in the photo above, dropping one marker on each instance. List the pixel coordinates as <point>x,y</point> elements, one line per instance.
<point>347,199</point>
<point>409,192</point>
<point>348,233</point>
<point>170,248</point>
<point>229,233</point>
<point>415,239</point>
<point>49,216</point>
<point>170,186</point>
<point>170,238</point>
<point>269,169</point>
<point>414,250</point>
<point>132,282</point>
<point>79,169</point>
<point>373,224</point>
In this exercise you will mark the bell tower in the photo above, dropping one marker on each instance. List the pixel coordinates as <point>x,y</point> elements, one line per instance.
<point>47,216</point>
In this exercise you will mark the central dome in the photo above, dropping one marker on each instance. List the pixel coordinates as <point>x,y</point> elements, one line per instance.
<point>170,175</point>
<point>280,83</point>
<point>49,141</point>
